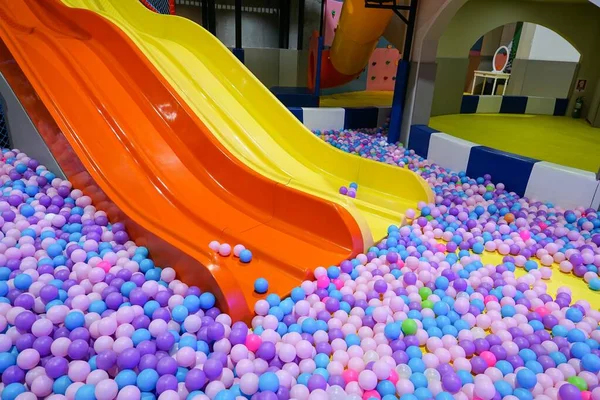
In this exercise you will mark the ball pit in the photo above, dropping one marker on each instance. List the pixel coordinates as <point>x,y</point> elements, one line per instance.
<point>427,313</point>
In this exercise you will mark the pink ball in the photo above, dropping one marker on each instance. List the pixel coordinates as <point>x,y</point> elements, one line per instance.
<point>489,358</point>
<point>367,380</point>
<point>224,250</point>
<point>28,359</point>
<point>106,389</point>
<point>129,393</point>
<point>253,342</point>
<point>237,249</point>
<point>350,375</point>
<point>42,386</point>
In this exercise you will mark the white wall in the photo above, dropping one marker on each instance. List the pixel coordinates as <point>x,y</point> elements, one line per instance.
<point>548,45</point>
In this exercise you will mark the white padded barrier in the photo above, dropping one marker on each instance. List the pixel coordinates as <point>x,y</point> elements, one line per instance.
<point>323,118</point>
<point>564,186</point>
<point>450,152</point>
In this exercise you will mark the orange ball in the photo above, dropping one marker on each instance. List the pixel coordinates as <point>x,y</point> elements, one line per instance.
<point>509,217</point>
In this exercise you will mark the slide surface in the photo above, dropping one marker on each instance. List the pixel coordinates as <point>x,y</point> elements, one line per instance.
<point>158,163</point>
<point>251,123</point>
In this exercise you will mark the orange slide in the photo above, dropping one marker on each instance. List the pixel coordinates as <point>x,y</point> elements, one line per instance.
<point>123,136</point>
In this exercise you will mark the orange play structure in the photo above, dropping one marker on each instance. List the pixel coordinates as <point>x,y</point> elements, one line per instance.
<point>125,137</point>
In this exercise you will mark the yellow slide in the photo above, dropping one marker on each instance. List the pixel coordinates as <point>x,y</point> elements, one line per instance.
<point>250,122</point>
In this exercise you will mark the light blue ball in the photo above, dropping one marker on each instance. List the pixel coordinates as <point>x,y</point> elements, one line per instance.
<point>146,380</point>
<point>245,256</point>
<point>11,391</point>
<point>74,319</point>
<point>23,281</point>
<point>268,382</point>
<point>85,392</point>
<point>261,285</point>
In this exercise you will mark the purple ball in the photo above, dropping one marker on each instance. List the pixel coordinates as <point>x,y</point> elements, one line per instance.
<point>24,320</point>
<point>316,381</point>
<point>166,382</point>
<point>56,367</point>
<point>13,374</point>
<point>212,369</point>
<point>216,331</point>
<point>266,351</point>
<point>146,347</point>
<point>43,345</point>
<point>195,379</point>
<point>78,349</point>
<point>451,382</point>
<point>24,342</point>
<point>166,365</point>
<point>128,359</point>
<point>106,359</point>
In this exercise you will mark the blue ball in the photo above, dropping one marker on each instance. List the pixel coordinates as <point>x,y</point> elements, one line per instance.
<point>298,294</point>
<point>74,319</point>
<point>140,335</point>
<point>268,382</point>
<point>54,250</point>
<point>392,331</point>
<point>61,384</point>
<point>23,281</point>
<point>207,301</point>
<point>7,360</point>
<point>579,349</point>
<point>526,378</point>
<point>146,380</point>
<point>478,248</point>
<point>125,378</point>
<point>86,392</point>
<point>192,303</point>
<point>27,210</point>
<point>12,390</point>
<point>574,314</point>
<point>179,313</point>
<point>273,300</point>
<point>591,362</point>
<point>261,285</point>
<point>576,335</point>
<point>245,256</point>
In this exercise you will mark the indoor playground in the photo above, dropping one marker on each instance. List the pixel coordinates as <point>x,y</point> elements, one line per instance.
<point>292,199</point>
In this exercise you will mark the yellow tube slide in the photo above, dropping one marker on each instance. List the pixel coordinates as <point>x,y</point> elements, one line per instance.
<point>356,37</point>
<point>251,123</point>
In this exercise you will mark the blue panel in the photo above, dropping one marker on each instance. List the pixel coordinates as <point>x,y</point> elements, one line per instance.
<point>419,139</point>
<point>356,118</point>
<point>513,105</point>
<point>469,104</point>
<point>239,53</point>
<point>560,107</point>
<point>295,96</point>
<point>298,112</point>
<point>398,101</point>
<point>511,169</point>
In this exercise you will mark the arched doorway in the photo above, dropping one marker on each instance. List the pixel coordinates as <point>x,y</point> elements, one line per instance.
<point>578,22</point>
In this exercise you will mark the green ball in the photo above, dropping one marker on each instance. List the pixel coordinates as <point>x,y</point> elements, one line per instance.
<point>490,187</point>
<point>425,292</point>
<point>578,382</point>
<point>427,304</point>
<point>409,327</point>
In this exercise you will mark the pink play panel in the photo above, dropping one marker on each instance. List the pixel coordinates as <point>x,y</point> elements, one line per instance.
<point>381,71</point>
<point>333,9</point>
